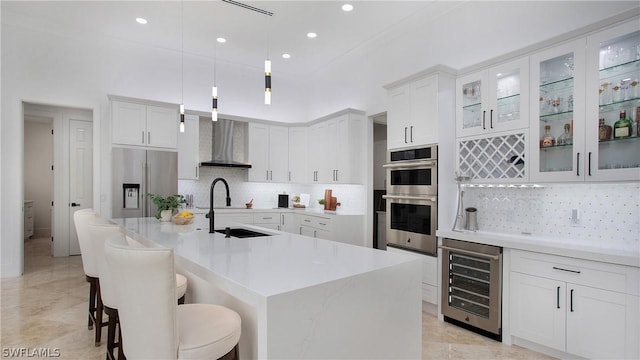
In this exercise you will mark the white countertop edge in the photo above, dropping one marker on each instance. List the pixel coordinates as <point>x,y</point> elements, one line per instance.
<point>547,246</point>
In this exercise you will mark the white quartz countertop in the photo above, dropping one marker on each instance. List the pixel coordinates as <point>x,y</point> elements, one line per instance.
<point>548,246</point>
<point>268,265</point>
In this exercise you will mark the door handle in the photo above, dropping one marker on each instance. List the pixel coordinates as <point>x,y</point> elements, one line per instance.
<point>74,204</point>
<point>411,133</point>
<point>578,164</point>
<point>405,134</point>
<point>491,119</point>
<point>484,113</point>
<point>558,297</point>
<point>589,163</point>
<point>571,300</point>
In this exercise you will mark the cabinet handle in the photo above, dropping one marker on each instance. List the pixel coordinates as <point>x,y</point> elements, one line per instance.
<point>411,133</point>
<point>196,171</point>
<point>149,137</point>
<point>578,164</point>
<point>491,119</point>
<point>323,224</point>
<point>289,175</point>
<point>267,218</point>
<point>589,163</point>
<point>405,134</point>
<point>282,217</point>
<point>558,297</point>
<point>142,137</point>
<point>484,113</point>
<point>567,270</point>
<point>337,175</point>
<point>307,220</point>
<point>300,230</point>
<point>571,300</point>
<point>267,174</point>
<point>315,233</point>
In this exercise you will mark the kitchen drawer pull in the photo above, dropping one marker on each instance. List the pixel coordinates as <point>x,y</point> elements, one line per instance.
<point>484,113</point>
<point>589,163</point>
<point>411,133</point>
<point>142,137</point>
<point>578,164</point>
<point>491,119</point>
<point>567,270</point>
<point>307,220</point>
<point>149,137</point>
<point>405,134</point>
<point>558,297</point>
<point>492,257</point>
<point>267,218</point>
<point>323,224</point>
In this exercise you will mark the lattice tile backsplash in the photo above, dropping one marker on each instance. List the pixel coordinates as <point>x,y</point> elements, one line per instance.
<point>609,214</point>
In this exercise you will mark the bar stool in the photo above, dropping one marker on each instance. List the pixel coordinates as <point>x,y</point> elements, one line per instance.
<point>99,233</point>
<point>82,219</point>
<point>154,326</point>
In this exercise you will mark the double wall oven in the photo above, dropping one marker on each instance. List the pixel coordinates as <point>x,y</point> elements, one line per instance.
<point>412,199</point>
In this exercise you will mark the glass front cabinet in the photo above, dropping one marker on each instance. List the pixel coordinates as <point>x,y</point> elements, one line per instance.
<point>493,100</point>
<point>585,106</point>
<point>613,103</point>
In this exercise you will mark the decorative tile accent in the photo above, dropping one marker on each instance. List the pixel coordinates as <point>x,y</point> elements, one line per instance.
<point>609,214</point>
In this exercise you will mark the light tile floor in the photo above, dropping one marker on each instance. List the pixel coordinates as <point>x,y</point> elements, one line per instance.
<point>47,308</point>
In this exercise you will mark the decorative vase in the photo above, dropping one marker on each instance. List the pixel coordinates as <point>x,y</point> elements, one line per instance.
<point>165,215</point>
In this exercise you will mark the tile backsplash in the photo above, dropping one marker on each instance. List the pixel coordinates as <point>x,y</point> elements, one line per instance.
<point>608,215</point>
<point>265,195</point>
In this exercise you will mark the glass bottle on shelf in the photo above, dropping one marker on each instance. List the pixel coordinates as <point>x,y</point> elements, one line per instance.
<point>604,131</point>
<point>622,127</point>
<point>547,139</point>
<point>565,138</point>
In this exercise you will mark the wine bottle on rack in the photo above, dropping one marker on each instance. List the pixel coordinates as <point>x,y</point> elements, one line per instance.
<point>622,127</point>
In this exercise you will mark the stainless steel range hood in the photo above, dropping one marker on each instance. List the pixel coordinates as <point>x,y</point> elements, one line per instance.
<point>222,146</point>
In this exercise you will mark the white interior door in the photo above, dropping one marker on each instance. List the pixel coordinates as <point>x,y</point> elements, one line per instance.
<point>80,174</point>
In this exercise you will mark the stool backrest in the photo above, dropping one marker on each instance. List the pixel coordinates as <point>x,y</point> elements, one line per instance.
<point>99,233</point>
<point>82,219</point>
<point>145,283</point>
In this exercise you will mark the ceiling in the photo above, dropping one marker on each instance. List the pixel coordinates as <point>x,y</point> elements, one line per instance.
<point>251,36</point>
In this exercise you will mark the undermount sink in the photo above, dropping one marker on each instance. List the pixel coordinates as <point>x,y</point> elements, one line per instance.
<point>241,233</point>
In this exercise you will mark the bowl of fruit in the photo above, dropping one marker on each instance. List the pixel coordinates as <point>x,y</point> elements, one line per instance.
<point>184,217</point>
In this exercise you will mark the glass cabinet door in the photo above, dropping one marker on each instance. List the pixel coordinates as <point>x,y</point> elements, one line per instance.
<point>509,103</point>
<point>472,100</point>
<point>613,137</point>
<point>557,126</point>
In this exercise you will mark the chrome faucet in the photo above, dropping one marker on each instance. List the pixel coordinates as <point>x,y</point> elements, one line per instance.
<point>210,214</point>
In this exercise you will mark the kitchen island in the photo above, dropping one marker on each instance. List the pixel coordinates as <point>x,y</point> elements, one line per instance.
<point>299,297</point>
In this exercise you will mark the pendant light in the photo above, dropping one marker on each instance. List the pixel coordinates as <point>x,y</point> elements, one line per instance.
<point>267,81</point>
<point>182,66</point>
<point>214,88</point>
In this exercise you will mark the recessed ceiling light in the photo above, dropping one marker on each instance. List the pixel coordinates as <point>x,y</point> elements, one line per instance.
<point>347,7</point>
<point>286,56</point>
<point>221,40</point>
<point>312,35</point>
<point>141,20</point>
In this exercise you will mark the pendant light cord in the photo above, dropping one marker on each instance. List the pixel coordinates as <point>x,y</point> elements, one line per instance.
<point>182,49</point>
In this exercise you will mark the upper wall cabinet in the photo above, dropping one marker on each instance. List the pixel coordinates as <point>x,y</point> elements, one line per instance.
<point>336,149</point>
<point>493,100</point>
<point>587,135</point>
<point>414,110</point>
<point>298,154</point>
<point>268,153</point>
<point>144,125</point>
<point>188,142</point>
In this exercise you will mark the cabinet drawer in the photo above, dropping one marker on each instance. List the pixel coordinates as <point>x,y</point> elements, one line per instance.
<point>316,222</point>
<point>266,218</point>
<point>223,220</point>
<point>583,272</point>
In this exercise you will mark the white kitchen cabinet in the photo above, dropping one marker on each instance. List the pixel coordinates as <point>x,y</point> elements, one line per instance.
<point>188,154</point>
<point>144,125</point>
<point>415,108</point>
<point>493,100</point>
<point>231,219</point>
<point>343,228</point>
<point>298,155</point>
<point>336,153</point>
<point>287,222</point>
<point>613,85</point>
<point>29,215</point>
<point>606,65</point>
<point>268,153</point>
<point>580,307</point>
<point>499,157</point>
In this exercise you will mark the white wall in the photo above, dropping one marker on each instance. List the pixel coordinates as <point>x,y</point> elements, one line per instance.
<point>38,177</point>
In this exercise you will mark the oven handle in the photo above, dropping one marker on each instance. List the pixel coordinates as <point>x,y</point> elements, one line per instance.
<point>493,257</point>
<point>411,164</point>
<point>409,197</point>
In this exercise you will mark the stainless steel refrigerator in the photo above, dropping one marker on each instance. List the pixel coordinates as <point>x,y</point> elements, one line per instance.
<point>134,173</point>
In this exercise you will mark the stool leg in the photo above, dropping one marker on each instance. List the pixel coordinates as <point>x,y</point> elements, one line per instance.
<point>111,331</point>
<point>181,300</point>
<point>120,349</point>
<point>99,310</point>
<point>92,301</point>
